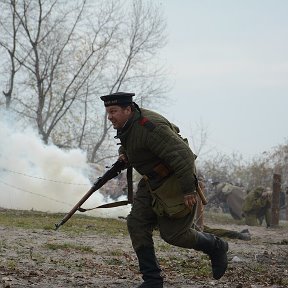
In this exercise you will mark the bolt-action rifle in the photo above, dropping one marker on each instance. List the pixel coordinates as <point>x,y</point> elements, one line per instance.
<point>201,194</point>
<point>114,171</point>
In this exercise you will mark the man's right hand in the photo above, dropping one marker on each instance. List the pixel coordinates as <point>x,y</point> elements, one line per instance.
<point>190,200</point>
<point>123,157</point>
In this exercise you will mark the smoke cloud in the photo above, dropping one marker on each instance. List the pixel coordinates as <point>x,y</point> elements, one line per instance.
<point>44,177</point>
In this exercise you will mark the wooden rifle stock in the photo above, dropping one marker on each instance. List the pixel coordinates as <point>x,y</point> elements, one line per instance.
<point>201,194</point>
<point>111,173</point>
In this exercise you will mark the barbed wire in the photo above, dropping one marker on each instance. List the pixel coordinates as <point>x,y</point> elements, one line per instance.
<point>33,193</point>
<point>41,178</point>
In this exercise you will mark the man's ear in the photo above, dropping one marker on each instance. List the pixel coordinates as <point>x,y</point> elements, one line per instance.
<point>129,109</point>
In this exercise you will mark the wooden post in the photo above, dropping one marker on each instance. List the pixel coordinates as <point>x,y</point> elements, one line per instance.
<point>275,199</point>
<point>286,202</point>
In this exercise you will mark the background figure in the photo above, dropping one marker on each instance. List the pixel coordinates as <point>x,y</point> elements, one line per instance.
<point>242,235</point>
<point>199,221</point>
<point>233,196</point>
<point>257,206</point>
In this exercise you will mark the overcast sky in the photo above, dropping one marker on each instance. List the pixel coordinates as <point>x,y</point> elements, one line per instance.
<point>229,69</point>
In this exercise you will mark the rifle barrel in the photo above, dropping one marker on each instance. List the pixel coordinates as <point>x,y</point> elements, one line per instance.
<point>76,207</point>
<point>111,173</point>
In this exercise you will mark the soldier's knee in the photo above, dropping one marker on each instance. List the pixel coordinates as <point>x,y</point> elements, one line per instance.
<point>168,238</point>
<point>185,240</point>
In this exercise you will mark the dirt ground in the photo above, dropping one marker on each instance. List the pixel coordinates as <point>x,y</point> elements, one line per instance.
<point>48,258</point>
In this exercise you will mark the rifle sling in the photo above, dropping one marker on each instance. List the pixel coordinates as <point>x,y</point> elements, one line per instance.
<point>107,205</point>
<point>129,176</point>
<point>118,203</point>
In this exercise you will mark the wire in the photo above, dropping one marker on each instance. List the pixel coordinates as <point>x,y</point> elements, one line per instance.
<point>33,193</point>
<point>40,178</point>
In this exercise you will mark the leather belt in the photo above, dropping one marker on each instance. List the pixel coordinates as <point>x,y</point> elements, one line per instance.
<point>159,172</point>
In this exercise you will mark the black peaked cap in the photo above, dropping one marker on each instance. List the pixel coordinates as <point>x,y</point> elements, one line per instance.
<point>118,98</point>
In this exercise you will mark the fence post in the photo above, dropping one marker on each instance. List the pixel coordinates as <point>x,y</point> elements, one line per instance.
<point>286,202</point>
<point>275,199</point>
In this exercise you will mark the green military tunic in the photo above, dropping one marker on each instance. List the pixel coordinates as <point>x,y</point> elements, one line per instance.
<point>145,147</point>
<point>148,139</point>
<point>256,206</point>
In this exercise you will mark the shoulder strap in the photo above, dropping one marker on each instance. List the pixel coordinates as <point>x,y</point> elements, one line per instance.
<point>129,177</point>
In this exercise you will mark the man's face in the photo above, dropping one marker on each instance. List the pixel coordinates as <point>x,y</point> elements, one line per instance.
<point>118,115</point>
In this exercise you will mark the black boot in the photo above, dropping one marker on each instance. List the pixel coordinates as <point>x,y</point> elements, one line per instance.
<point>244,236</point>
<point>149,268</point>
<point>216,249</point>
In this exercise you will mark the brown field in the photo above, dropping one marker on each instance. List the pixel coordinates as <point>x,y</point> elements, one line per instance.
<point>96,252</point>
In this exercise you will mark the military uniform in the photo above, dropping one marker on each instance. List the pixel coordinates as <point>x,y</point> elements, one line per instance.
<point>199,222</point>
<point>155,149</point>
<point>242,235</point>
<point>233,196</point>
<point>257,205</point>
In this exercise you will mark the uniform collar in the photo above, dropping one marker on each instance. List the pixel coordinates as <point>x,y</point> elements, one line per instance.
<point>128,124</point>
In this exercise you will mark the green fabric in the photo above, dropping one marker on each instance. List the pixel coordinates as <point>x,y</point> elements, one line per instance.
<point>251,219</point>
<point>222,232</point>
<point>145,148</point>
<point>168,199</point>
<point>142,220</point>
<point>256,206</point>
<point>253,201</point>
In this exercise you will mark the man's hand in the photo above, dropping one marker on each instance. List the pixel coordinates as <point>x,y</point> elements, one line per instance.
<point>190,200</point>
<point>123,157</point>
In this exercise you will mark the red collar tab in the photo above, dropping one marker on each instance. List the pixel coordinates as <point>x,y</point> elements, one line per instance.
<point>143,120</point>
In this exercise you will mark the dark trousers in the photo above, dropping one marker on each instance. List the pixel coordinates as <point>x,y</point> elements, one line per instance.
<point>142,220</point>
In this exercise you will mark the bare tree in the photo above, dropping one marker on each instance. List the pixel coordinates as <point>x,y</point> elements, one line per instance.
<point>237,171</point>
<point>139,37</point>
<point>56,80</point>
<point>278,161</point>
<point>145,31</point>
<point>8,42</point>
<point>198,139</point>
<point>73,53</point>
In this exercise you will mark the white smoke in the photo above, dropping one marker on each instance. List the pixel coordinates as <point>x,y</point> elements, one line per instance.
<point>44,177</point>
